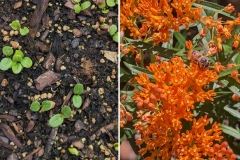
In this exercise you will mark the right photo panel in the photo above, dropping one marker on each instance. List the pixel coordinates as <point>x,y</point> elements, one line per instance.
<point>179,80</point>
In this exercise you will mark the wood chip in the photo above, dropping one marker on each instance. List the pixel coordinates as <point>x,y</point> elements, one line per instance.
<point>9,133</point>
<point>8,118</point>
<point>30,126</point>
<point>17,4</point>
<point>46,79</point>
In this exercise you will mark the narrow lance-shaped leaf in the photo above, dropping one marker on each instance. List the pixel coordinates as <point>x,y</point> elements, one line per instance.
<point>228,71</point>
<point>233,112</point>
<point>230,131</point>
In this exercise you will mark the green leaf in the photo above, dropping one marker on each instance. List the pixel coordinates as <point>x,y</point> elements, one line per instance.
<point>35,106</point>
<point>66,111</point>
<point>237,59</point>
<point>77,1</point>
<point>77,8</point>
<point>77,101</point>
<point>163,52</point>
<point>26,62</point>
<point>179,38</point>
<point>73,151</point>
<point>85,5</point>
<point>24,31</point>
<point>228,71</point>
<point>16,68</point>
<point>78,89</point>
<point>112,29</point>
<point>115,37</point>
<point>237,105</point>
<point>15,25</point>
<point>233,112</point>
<point>46,105</point>
<point>5,64</point>
<point>111,3</point>
<point>56,120</point>
<point>135,69</point>
<point>230,131</point>
<point>105,11</point>
<point>101,6</point>
<point>115,146</point>
<point>232,85</point>
<point>18,55</point>
<point>7,50</point>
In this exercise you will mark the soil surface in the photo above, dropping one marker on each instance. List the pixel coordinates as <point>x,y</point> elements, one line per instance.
<point>66,48</point>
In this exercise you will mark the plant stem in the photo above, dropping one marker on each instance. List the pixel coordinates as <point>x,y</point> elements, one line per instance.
<point>230,57</point>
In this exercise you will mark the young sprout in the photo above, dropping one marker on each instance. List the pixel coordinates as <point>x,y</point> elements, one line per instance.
<point>17,27</point>
<point>80,7</point>
<point>113,32</point>
<point>17,62</point>
<point>77,99</point>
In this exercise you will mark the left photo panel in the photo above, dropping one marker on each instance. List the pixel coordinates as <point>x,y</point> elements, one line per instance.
<point>59,79</point>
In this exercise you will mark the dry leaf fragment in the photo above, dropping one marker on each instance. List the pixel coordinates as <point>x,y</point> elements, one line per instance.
<point>112,56</point>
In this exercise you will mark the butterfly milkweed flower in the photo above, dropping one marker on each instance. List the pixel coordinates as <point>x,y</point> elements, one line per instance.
<point>167,99</point>
<point>154,19</point>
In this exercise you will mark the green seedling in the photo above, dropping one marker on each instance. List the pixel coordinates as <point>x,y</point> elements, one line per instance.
<point>16,26</point>
<point>113,32</point>
<point>103,8</point>
<point>80,7</point>
<point>46,106</point>
<point>58,119</point>
<point>115,146</point>
<point>111,3</point>
<point>17,62</point>
<point>77,99</point>
<point>73,151</point>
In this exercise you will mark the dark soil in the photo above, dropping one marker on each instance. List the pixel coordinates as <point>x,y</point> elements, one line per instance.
<point>93,127</point>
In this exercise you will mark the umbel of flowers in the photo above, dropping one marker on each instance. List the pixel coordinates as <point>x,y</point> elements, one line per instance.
<point>165,101</point>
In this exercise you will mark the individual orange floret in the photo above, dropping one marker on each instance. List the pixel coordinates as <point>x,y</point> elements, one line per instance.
<point>235,97</point>
<point>218,67</point>
<point>229,8</point>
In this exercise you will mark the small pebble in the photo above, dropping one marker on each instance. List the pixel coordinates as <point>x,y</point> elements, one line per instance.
<point>75,42</point>
<point>4,82</point>
<point>102,60</point>
<point>62,68</point>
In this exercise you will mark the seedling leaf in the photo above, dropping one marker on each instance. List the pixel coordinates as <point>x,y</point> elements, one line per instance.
<point>24,31</point>
<point>35,106</point>
<point>77,8</point>
<point>78,89</point>
<point>85,5</point>
<point>101,6</point>
<point>46,105</point>
<point>105,11</point>
<point>26,62</point>
<point>115,146</point>
<point>112,29</point>
<point>77,1</point>
<point>18,55</point>
<point>111,3</point>
<point>77,101</point>
<point>115,37</point>
<point>56,120</point>
<point>15,25</point>
<point>66,111</point>
<point>5,64</point>
<point>7,50</point>
<point>16,68</point>
<point>73,151</point>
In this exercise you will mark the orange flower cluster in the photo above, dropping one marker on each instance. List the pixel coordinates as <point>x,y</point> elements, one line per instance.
<point>125,116</point>
<point>154,19</point>
<point>166,101</point>
<point>197,142</point>
<point>223,31</point>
